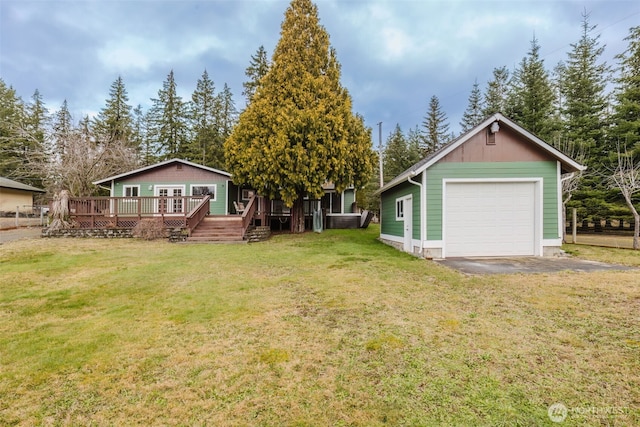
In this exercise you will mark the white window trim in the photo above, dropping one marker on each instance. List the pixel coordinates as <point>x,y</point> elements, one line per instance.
<point>398,201</point>
<point>124,192</point>
<point>242,195</point>
<point>215,190</point>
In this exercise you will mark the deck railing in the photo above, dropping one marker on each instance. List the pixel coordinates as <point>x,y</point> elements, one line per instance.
<point>248,214</point>
<point>126,212</point>
<point>198,213</point>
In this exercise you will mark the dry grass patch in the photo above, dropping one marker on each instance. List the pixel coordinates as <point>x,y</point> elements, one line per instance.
<point>330,329</point>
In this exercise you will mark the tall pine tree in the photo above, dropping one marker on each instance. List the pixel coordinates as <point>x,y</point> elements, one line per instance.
<point>435,127</point>
<point>530,100</point>
<point>114,121</point>
<point>12,113</point>
<point>626,116</point>
<point>582,85</point>
<point>399,154</point>
<point>495,97</point>
<point>257,69</point>
<point>473,114</point>
<point>168,121</point>
<point>204,111</point>
<point>299,131</point>
<point>583,82</point>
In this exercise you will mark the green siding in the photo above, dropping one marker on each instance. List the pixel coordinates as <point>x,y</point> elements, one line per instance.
<point>349,196</point>
<point>389,225</point>
<point>545,170</point>
<point>217,207</point>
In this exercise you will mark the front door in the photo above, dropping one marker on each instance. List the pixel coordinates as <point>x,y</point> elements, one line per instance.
<point>408,224</point>
<point>170,200</point>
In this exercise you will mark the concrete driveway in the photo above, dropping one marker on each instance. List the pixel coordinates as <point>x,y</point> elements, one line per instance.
<point>20,233</point>
<point>526,265</point>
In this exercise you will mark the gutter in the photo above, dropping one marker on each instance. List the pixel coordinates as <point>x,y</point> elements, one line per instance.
<point>422,199</point>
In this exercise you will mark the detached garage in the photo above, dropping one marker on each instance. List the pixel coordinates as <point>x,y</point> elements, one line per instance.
<point>494,191</point>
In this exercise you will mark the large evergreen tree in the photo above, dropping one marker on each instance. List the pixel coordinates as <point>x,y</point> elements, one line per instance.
<point>227,113</point>
<point>114,121</point>
<point>583,82</point>
<point>257,69</point>
<point>400,153</point>
<point>168,121</point>
<point>62,128</point>
<point>12,112</point>
<point>495,97</point>
<point>204,111</point>
<point>530,99</point>
<point>626,117</point>
<point>299,131</point>
<point>35,134</point>
<point>435,127</point>
<point>473,114</point>
<point>583,110</point>
<point>146,151</point>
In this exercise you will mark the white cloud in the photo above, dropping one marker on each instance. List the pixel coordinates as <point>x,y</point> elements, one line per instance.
<point>140,54</point>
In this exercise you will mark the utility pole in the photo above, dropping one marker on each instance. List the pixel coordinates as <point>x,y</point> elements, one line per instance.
<point>380,151</point>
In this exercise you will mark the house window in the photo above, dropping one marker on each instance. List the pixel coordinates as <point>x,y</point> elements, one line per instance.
<point>131,190</point>
<point>247,194</point>
<point>399,210</point>
<point>204,190</point>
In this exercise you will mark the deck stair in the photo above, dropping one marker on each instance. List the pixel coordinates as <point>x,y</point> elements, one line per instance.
<point>227,228</point>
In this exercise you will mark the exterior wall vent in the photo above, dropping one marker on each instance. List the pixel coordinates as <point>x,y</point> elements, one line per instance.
<point>491,137</point>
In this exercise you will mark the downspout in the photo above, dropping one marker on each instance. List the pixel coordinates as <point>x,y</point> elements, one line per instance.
<point>563,207</point>
<point>422,225</point>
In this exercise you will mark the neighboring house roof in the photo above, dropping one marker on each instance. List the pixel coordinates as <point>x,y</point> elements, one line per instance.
<point>157,165</point>
<point>9,183</point>
<point>568,163</point>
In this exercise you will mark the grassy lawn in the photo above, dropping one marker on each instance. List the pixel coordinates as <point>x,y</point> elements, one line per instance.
<point>331,329</point>
<point>610,240</point>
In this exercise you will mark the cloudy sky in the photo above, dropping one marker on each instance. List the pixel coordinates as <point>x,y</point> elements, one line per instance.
<point>395,54</point>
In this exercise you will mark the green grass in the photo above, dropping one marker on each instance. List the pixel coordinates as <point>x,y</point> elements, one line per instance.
<point>329,329</point>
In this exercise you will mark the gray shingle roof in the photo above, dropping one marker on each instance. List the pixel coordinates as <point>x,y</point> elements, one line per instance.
<point>9,183</point>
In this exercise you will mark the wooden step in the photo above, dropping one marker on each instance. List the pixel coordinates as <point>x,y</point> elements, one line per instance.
<point>218,229</point>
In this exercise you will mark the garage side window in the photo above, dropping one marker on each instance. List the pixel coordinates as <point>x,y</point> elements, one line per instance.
<point>399,209</point>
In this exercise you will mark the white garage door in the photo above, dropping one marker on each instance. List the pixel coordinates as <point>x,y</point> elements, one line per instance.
<point>489,219</point>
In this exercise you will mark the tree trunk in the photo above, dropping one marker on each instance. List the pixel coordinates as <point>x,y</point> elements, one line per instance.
<point>636,231</point>
<point>636,217</point>
<point>297,215</point>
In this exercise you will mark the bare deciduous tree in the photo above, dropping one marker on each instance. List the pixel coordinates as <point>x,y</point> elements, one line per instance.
<point>626,178</point>
<point>571,181</point>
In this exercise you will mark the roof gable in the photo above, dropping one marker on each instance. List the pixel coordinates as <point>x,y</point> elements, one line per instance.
<point>528,143</point>
<point>157,166</point>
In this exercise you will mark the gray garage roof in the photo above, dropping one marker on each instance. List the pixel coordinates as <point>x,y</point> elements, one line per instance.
<point>15,185</point>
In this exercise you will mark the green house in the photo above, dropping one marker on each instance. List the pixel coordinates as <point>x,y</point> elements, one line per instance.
<point>494,191</point>
<point>176,184</point>
<point>174,179</point>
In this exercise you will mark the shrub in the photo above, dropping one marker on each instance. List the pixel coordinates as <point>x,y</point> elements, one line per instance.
<point>149,229</point>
